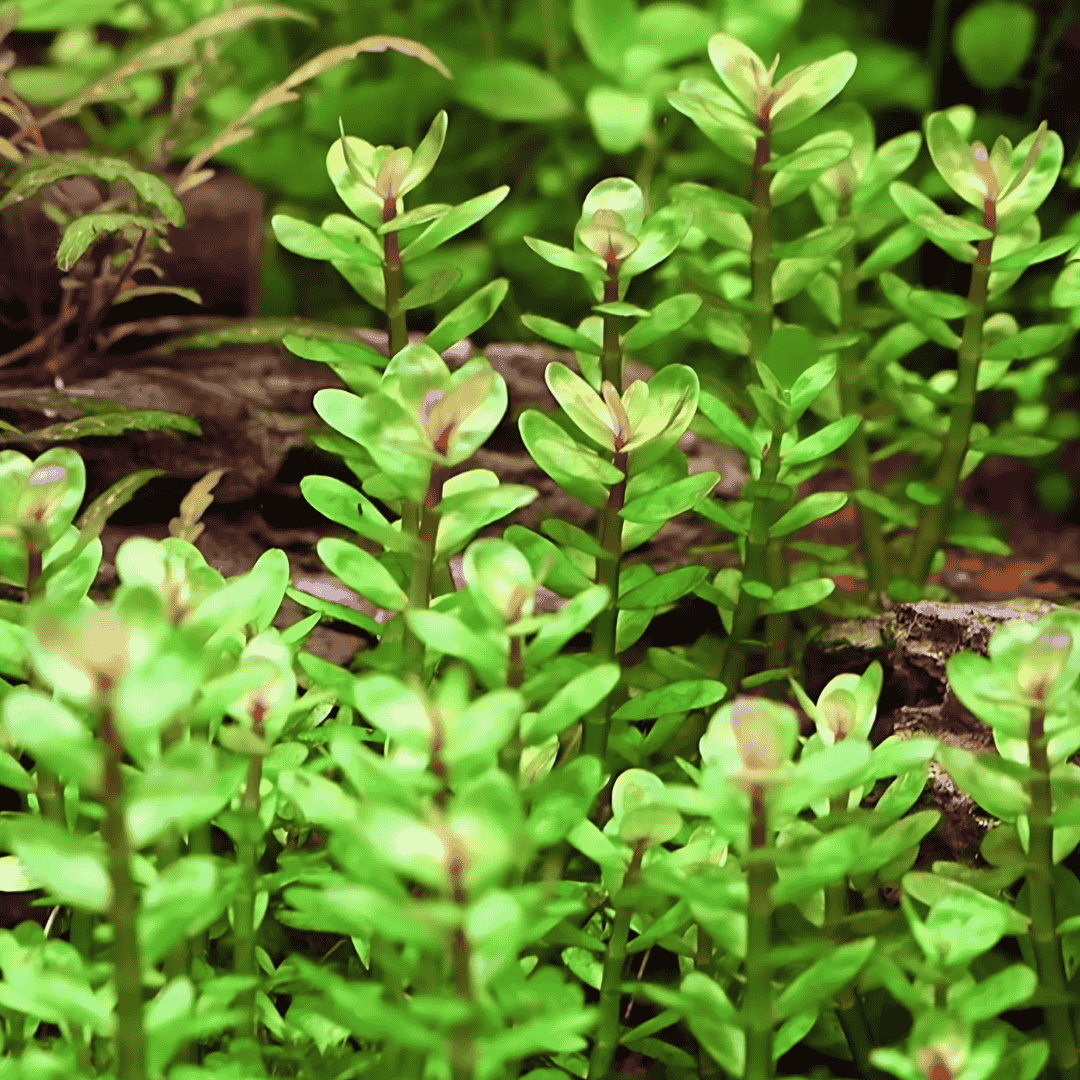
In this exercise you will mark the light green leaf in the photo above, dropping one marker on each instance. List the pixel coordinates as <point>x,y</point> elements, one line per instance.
<point>513,90</point>
<point>453,222</point>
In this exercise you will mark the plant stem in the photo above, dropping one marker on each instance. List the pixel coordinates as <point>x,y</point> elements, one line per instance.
<point>939,31</point>
<point>247,855</point>
<point>849,1010</point>
<point>757,995</point>
<point>851,402</point>
<point>393,282</point>
<point>934,519</point>
<point>754,569</point>
<point>127,960</point>
<point>423,558</point>
<point>607,1029</point>
<point>605,624</point>
<point>761,319</point>
<point>1044,937</point>
<point>1068,16</point>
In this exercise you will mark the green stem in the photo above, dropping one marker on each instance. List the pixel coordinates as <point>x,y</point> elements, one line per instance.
<point>607,1029</point>
<point>761,319</point>
<point>1068,16</point>
<point>757,995</point>
<point>423,558</point>
<point>605,624</point>
<point>127,960</point>
<point>778,630</point>
<point>611,354</point>
<point>247,855</point>
<point>50,796</point>
<point>851,402</point>
<point>487,31</point>
<point>754,569</point>
<point>849,1010</point>
<point>934,519</point>
<point>939,32</point>
<point>461,1045</point>
<point>393,282</point>
<point>1044,937</point>
<point>761,260</point>
<point>708,1069</point>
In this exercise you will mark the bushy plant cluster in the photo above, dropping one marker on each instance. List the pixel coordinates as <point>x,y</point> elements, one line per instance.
<point>442,861</point>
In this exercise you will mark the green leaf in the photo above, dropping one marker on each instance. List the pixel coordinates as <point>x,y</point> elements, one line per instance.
<point>560,334</point>
<point>303,238</point>
<point>815,155</point>
<point>187,788</point>
<point>445,633</point>
<point>895,248</point>
<point>453,222</point>
<point>1066,290</point>
<point>1034,341</point>
<point>676,697</point>
<point>668,316</point>
<point>185,899</point>
<point>339,612</point>
<point>570,703</point>
<point>113,423</point>
<point>809,88</point>
<point>993,40</point>
<point>1035,165</point>
<point>468,316</point>
<point>804,594</point>
<point>356,364</point>
<point>821,443</point>
<point>362,573</point>
<point>82,233</point>
<point>899,837</point>
<point>93,518</point>
<point>53,737</point>
<point>1009,988</point>
<point>13,775</point>
<point>565,259</point>
<point>791,351</point>
<point>661,234</point>
<point>462,517</point>
<point>885,507</point>
<point>568,621</point>
<point>571,536</point>
<point>731,427</point>
<point>672,499</point>
<point>664,588</point>
<point>1013,445</point>
<point>513,90</point>
<point>983,778</point>
<point>719,215</point>
<point>619,118</point>
<point>70,867</point>
<point>39,173</point>
<point>823,980</point>
<point>818,505</point>
<point>1048,249</point>
<point>715,114</point>
<point>430,291</point>
<point>606,29</point>
<point>791,276</point>
<point>564,578</point>
<point>338,501</point>
<point>578,471</point>
<point>948,232</point>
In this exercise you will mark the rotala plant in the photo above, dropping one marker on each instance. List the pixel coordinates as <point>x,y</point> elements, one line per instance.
<point>496,843</point>
<point>1025,691</point>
